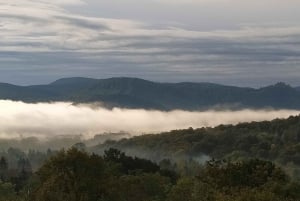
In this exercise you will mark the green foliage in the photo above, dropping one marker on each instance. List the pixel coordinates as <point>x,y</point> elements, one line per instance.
<point>252,173</point>
<point>253,180</point>
<point>255,162</point>
<point>277,141</point>
<point>71,175</point>
<point>183,190</point>
<point>141,187</point>
<point>7,192</point>
<point>191,189</point>
<point>130,164</point>
<point>77,175</point>
<point>3,169</point>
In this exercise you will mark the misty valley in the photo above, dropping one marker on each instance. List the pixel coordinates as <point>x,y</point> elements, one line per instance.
<point>255,161</point>
<point>149,100</point>
<point>128,139</point>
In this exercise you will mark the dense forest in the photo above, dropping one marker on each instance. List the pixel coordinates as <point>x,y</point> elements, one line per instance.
<point>277,141</point>
<point>257,161</point>
<point>76,175</point>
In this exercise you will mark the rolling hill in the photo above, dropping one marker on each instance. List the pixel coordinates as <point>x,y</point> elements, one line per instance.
<point>139,93</point>
<point>277,140</point>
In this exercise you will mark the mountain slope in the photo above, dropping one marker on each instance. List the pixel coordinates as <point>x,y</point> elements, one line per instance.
<point>277,140</point>
<point>138,93</point>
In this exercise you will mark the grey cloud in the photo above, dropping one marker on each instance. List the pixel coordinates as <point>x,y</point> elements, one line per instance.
<point>84,23</point>
<point>22,18</point>
<point>52,42</point>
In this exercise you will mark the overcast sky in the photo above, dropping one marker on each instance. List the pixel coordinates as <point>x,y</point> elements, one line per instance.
<point>236,42</point>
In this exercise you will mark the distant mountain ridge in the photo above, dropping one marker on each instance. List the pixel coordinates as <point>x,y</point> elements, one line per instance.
<point>139,93</point>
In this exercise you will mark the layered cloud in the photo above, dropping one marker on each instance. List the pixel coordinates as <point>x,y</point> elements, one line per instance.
<point>43,40</point>
<point>55,119</point>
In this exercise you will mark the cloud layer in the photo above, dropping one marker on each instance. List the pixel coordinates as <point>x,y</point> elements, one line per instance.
<point>43,40</point>
<point>55,119</point>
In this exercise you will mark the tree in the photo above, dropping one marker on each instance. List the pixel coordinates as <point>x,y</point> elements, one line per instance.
<point>251,173</point>
<point>141,187</point>
<point>3,169</point>
<point>183,190</point>
<point>191,189</point>
<point>7,192</point>
<point>71,175</point>
<point>130,165</point>
<point>24,173</point>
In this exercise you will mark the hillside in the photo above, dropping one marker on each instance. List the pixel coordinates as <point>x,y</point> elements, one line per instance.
<point>250,162</point>
<point>277,141</point>
<point>138,93</point>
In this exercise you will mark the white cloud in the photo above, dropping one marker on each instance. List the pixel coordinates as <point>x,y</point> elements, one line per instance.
<point>53,119</point>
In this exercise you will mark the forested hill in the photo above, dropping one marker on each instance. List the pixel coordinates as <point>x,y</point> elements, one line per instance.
<point>138,93</point>
<point>225,163</point>
<point>277,141</point>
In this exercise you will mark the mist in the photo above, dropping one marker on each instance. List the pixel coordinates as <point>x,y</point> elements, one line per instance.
<point>44,120</point>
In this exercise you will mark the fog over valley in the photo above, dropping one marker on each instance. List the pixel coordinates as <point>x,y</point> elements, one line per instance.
<point>64,118</point>
<point>149,100</point>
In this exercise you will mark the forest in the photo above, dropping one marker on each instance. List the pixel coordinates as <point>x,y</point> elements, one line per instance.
<point>257,161</point>
<point>77,175</point>
<point>277,141</point>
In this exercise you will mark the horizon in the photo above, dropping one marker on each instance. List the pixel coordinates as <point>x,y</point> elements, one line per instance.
<point>162,82</point>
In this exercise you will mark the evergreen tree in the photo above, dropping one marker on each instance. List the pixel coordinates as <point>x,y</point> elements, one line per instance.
<point>3,169</point>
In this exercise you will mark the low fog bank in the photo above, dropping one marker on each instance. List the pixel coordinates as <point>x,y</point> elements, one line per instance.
<point>46,120</point>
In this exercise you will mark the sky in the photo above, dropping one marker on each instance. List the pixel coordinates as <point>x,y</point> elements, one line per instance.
<point>244,43</point>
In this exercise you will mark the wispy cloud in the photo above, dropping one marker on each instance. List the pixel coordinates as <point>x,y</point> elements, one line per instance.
<point>43,36</point>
